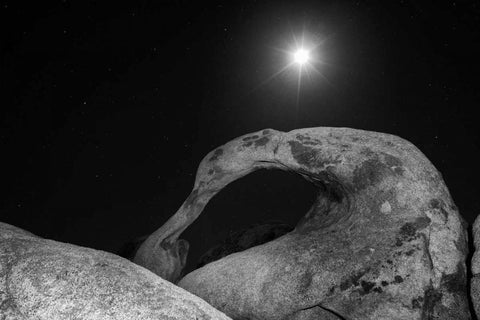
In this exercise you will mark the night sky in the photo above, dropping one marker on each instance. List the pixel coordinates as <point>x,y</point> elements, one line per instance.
<point>109,107</point>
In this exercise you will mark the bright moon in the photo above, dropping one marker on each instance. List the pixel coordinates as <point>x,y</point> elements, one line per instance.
<point>301,56</point>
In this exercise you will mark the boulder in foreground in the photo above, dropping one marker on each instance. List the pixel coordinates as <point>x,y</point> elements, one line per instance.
<point>47,280</point>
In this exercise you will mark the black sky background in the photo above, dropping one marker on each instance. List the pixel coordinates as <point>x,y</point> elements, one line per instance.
<point>108,107</point>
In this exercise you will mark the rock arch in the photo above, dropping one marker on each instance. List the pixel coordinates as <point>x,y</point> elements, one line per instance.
<point>384,239</point>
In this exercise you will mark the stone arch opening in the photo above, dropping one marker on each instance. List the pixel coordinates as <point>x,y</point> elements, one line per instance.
<point>275,198</point>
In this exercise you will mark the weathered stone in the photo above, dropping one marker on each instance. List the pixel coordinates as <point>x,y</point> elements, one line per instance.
<point>44,279</point>
<point>383,240</point>
<point>475,281</point>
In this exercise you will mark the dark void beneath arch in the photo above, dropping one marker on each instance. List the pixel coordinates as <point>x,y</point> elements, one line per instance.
<point>261,197</point>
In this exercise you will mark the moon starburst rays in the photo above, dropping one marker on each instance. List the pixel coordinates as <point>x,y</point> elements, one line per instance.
<point>301,59</point>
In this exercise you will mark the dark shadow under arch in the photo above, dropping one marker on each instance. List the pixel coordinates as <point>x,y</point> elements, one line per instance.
<point>263,196</point>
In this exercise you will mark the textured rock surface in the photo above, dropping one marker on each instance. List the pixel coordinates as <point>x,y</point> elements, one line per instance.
<point>166,259</point>
<point>44,279</point>
<point>244,239</point>
<point>180,251</point>
<point>384,239</point>
<point>475,281</point>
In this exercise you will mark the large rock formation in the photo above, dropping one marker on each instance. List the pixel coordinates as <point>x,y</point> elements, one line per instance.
<point>475,281</point>
<point>47,280</point>
<point>383,240</point>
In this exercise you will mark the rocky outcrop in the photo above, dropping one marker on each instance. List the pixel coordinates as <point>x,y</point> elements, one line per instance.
<point>383,240</point>
<point>48,280</point>
<point>475,281</point>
